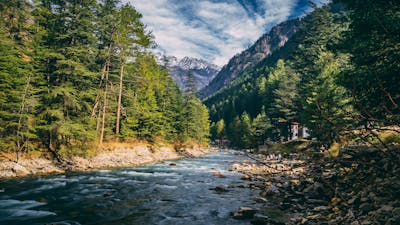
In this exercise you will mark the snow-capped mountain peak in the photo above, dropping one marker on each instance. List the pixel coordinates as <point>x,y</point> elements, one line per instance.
<point>190,63</point>
<point>203,71</point>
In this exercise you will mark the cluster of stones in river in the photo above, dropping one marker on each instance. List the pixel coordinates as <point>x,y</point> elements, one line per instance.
<point>360,187</point>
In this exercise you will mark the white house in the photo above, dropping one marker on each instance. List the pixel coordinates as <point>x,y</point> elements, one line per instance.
<point>294,130</point>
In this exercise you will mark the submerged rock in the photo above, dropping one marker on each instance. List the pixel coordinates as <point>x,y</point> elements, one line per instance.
<point>261,200</point>
<point>219,174</point>
<point>219,189</point>
<point>260,219</point>
<point>244,213</point>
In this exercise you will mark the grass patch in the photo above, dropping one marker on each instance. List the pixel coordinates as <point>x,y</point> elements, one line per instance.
<point>390,137</point>
<point>290,146</point>
<point>333,151</point>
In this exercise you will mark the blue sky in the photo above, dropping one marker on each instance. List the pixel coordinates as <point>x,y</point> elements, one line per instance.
<point>214,30</point>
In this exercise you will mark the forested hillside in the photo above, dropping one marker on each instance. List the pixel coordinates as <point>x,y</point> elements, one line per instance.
<point>338,76</point>
<point>74,74</point>
<point>248,59</point>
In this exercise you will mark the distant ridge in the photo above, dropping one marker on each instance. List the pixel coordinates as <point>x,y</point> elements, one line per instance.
<point>262,48</point>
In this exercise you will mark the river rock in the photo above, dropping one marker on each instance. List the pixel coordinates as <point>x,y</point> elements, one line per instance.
<point>366,207</point>
<point>242,186</point>
<point>314,217</point>
<point>261,200</point>
<point>303,220</point>
<point>316,201</point>
<point>295,181</point>
<point>320,208</point>
<point>244,213</point>
<point>42,200</point>
<point>260,219</point>
<point>352,200</point>
<point>218,174</point>
<point>270,191</point>
<point>219,189</point>
<point>245,177</point>
<point>387,208</point>
<point>20,170</point>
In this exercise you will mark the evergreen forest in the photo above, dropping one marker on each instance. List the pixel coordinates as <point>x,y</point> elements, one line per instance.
<point>76,74</point>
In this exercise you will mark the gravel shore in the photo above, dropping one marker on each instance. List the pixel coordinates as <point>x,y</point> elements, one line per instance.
<point>123,155</point>
<point>359,187</point>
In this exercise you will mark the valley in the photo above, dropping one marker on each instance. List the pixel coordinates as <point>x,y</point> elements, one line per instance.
<point>199,112</point>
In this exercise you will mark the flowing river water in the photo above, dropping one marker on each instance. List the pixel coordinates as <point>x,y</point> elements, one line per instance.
<point>160,193</point>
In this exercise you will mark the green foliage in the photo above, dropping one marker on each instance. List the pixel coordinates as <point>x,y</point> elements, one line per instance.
<point>66,67</point>
<point>373,43</point>
<point>196,124</point>
<point>326,108</point>
<point>392,138</point>
<point>260,129</point>
<point>245,127</point>
<point>219,129</point>
<point>60,66</point>
<point>17,100</point>
<point>283,83</point>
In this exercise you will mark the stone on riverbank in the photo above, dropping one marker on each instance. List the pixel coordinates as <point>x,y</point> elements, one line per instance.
<point>244,213</point>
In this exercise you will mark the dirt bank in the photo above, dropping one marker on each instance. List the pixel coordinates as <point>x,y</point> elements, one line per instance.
<point>121,155</point>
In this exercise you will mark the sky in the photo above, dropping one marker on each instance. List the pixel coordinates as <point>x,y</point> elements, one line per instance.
<point>214,30</point>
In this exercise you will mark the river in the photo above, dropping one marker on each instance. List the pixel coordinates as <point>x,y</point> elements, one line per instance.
<point>160,193</point>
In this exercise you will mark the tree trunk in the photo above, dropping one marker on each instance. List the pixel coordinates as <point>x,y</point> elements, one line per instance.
<point>20,136</point>
<point>121,79</point>
<point>96,101</point>
<point>103,120</point>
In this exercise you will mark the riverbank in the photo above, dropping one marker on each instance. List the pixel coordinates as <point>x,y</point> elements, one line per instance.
<point>360,186</point>
<point>108,156</point>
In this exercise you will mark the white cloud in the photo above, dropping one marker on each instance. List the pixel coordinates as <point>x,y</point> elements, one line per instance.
<point>211,30</point>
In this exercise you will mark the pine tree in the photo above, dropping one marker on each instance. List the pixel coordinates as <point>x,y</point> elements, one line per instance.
<point>326,108</point>
<point>284,96</point>
<point>245,127</point>
<point>235,133</point>
<point>373,43</point>
<point>324,103</point>
<point>260,128</point>
<point>220,129</point>
<point>190,84</point>
<point>17,100</point>
<point>67,67</point>
<point>130,36</point>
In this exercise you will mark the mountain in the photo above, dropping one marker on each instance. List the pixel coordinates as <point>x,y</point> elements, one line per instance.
<point>202,70</point>
<point>262,48</point>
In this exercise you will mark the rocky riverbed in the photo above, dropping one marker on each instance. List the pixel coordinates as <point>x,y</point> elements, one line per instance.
<point>360,186</point>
